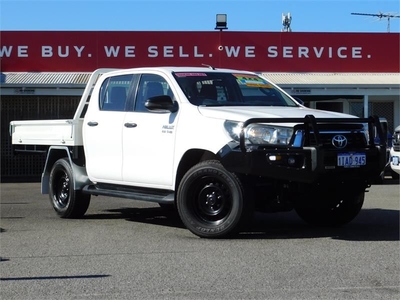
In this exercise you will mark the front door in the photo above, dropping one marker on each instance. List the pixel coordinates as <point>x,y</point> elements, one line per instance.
<point>149,138</point>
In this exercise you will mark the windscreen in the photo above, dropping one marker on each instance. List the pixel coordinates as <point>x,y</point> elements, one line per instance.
<point>230,89</point>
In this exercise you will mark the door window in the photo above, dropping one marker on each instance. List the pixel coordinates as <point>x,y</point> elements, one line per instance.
<point>150,86</point>
<point>114,93</point>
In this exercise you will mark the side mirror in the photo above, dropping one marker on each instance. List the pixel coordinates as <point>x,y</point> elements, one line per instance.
<point>161,104</point>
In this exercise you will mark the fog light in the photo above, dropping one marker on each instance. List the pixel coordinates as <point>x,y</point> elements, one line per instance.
<point>274,157</point>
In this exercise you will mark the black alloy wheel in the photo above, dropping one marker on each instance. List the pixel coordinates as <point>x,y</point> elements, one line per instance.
<point>67,202</point>
<point>211,201</point>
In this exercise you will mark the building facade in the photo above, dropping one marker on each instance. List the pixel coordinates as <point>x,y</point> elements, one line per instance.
<point>43,73</point>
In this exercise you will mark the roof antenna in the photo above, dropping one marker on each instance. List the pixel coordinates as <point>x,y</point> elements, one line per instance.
<point>208,66</point>
<point>286,21</point>
<point>380,16</point>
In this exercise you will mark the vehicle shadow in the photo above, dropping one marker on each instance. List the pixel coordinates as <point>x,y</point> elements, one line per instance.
<point>369,225</point>
<point>149,215</point>
<point>389,181</point>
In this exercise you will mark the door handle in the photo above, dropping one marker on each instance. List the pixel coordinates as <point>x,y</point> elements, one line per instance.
<point>92,123</point>
<point>130,125</point>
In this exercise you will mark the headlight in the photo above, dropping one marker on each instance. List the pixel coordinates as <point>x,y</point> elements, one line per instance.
<point>259,134</point>
<point>263,134</point>
<point>233,128</point>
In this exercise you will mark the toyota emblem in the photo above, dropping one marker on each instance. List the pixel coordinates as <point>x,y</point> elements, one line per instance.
<point>339,141</point>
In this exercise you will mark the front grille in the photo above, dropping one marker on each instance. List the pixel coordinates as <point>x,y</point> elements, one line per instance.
<point>354,139</point>
<point>353,133</point>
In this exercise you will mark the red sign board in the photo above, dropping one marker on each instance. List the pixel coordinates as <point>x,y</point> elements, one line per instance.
<point>85,51</point>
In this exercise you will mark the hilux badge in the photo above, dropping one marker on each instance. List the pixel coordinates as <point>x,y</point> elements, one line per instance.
<point>339,141</point>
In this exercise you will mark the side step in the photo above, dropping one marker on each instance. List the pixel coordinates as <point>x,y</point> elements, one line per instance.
<point>151,195</point>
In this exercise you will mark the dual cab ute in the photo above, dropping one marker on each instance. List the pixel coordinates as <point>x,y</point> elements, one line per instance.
<point>214,144</point>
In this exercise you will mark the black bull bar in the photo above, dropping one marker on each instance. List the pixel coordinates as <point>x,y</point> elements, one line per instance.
<point>312,166</point>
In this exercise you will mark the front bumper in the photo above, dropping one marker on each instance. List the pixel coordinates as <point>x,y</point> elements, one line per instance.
<point>301,165</point>
<point>309,163</point>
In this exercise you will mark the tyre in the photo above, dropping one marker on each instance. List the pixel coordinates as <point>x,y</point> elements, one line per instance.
<point>394,174</point>
<point>67,202</point>
<point>211,201</point>
<point>325,210</point>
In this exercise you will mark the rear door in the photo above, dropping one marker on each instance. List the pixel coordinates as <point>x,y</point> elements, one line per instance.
<point>104,129</point>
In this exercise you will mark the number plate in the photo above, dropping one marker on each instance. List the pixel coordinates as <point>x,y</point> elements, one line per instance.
<point>351,160</point>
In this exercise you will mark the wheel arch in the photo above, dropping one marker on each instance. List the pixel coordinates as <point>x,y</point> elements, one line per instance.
<point>189,159</point>
<point>80,178</point>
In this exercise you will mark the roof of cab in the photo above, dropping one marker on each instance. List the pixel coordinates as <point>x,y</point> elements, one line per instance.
<point>170,69</point>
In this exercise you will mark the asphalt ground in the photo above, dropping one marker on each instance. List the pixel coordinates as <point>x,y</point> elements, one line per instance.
<point>125,249</point>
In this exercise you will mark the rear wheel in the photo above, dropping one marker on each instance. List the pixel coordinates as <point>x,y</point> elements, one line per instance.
<point>328,210</point>
<point>211,201</point>
<point>67,202</point>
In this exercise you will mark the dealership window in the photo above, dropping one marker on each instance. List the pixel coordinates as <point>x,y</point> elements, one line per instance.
<point>331,106</point>
<point>378,108</point>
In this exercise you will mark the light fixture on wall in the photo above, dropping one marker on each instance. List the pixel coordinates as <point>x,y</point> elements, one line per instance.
<point>222,22</point>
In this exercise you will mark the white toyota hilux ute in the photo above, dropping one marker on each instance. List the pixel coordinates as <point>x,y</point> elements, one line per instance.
<point>213,144</point>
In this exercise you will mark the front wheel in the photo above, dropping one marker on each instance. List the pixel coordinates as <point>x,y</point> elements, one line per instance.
<point>67,202</point>
<point>326,210</point>
<point>211,201</point>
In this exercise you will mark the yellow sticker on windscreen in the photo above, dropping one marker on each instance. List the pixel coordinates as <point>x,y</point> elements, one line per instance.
<point>252,80</point>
